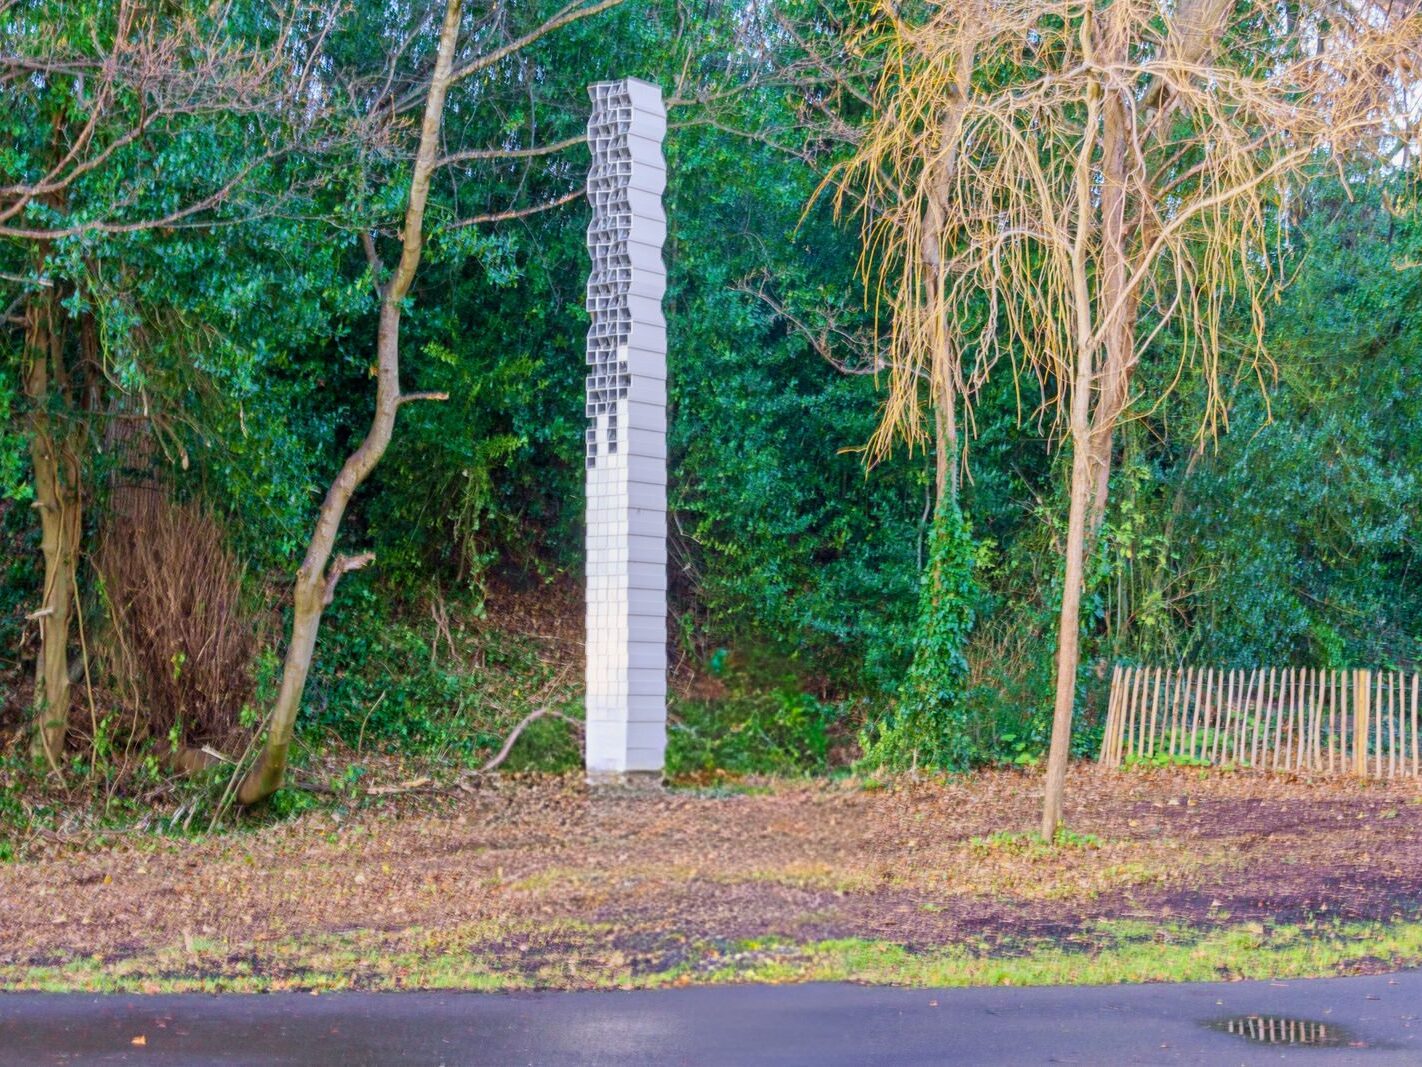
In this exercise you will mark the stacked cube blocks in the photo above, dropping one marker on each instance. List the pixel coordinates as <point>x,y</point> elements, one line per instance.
<point>626,434</point>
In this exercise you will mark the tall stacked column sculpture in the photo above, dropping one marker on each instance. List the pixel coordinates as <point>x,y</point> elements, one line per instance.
<point>626,437</point>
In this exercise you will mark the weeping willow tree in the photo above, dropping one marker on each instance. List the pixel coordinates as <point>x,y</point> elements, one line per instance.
<point>1059,181</point>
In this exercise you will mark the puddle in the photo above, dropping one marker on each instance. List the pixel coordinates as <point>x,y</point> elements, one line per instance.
<point>1282,1030</point>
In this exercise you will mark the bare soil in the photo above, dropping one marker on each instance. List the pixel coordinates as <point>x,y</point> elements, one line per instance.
<point>526,870</point>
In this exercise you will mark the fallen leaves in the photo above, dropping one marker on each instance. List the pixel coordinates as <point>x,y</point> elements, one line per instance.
<point>795,859</point>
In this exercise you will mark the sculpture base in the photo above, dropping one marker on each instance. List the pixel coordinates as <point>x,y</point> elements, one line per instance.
<point>625,783</point>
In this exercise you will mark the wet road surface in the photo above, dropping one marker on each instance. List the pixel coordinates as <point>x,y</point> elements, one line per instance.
<point>1369,1021</point>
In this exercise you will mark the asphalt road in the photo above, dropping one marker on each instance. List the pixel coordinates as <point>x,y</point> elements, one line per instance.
<point>1371,1021</point>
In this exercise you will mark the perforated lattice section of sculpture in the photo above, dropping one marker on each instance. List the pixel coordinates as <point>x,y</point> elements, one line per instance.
<point>609,283</point>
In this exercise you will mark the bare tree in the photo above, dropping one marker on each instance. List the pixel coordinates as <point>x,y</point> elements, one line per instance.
<point>319,574</point>
<point>1060,180</point>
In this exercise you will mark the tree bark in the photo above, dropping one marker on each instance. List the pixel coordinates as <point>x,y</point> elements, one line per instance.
<point>945,408</point>
<point>1068,636</point>
<point>58,501</point>
<point>315,581</point>
<point>943,368</point>
<point>946,432</point>
<point>1194,34</point>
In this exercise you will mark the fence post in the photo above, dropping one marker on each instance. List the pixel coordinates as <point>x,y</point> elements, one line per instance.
<point>1110,727</point>
<point>1416,762</point>
<point>1362,687</point>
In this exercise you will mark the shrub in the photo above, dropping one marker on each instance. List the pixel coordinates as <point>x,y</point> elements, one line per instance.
<point>181,641</point>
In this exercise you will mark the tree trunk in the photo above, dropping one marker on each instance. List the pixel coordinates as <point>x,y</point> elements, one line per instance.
<point>944,368</point>
<point>59,530</point>
<point>1194,34</point>
<point>1118,341</point>
<point>946,430</point>
<point>315,582</point>
<point>1097,401</point>
<point>945,413</point>
<point>1083,385</point>
<point>1068,634</point>
<point>57,499</point>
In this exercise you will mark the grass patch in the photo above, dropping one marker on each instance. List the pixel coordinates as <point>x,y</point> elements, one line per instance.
<point>571,955</point>
<point>1127,953</point>
<point>1030,844</point>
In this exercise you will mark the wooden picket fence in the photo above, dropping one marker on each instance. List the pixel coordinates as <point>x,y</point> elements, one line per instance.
<point>1357,722</point>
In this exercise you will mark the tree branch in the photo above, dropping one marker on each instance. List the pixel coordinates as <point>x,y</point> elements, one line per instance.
<point>377,268</point>
<point>340,567</point>
<point>212,200</point>
<point>517,213</point>
<point>532,716</point>
<point>573,12</point>
<point>819,339</point>
<point>510,153</point>
<point>406,398</point>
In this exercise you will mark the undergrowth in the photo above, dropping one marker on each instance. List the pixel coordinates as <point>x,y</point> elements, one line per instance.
<point>442,686</point>
<point>779,731</point>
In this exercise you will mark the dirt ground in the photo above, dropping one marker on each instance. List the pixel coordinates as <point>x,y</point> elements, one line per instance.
<point>529,872</point>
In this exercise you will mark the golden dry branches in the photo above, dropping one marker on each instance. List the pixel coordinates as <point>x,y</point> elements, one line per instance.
<point>1005,134</point>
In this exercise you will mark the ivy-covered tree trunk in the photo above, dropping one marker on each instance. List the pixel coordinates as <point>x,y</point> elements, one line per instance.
<point>58,501</point>
<point>929,726</point>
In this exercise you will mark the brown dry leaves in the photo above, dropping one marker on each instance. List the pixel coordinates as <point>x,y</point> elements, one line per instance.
<point>810,860</point>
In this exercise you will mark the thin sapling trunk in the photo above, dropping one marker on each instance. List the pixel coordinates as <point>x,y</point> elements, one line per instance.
<point>318,576</point>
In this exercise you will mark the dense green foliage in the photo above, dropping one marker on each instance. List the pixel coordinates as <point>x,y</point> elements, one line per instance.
<point>1300,530</point>
<point>246,341</point>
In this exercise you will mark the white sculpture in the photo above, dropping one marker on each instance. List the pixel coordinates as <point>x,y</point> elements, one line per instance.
<point>626,436</point>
